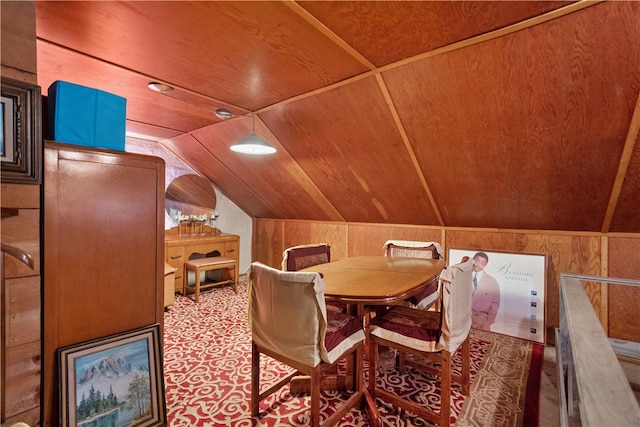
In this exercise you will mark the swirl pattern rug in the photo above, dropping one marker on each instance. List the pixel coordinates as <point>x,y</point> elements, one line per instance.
<point>207,373</point>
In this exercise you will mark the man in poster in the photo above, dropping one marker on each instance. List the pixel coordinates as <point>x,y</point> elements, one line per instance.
<point>486,294</point>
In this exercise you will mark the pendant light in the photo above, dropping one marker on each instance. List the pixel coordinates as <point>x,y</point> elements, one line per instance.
<point>253,144</point>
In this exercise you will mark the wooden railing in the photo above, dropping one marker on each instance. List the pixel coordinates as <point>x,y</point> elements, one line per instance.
<point>590,377</point>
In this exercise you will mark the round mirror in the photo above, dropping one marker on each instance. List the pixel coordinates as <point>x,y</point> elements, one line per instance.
<point>190,195</point>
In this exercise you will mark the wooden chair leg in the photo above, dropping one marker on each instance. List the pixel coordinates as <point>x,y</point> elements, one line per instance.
<point>255,380</point>
<point>316,379</point>
<point>466,361</point>
<point>373,364</point>
<point>445,389</point>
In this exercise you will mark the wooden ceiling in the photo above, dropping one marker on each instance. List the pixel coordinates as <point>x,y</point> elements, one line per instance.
<point>511,115</point>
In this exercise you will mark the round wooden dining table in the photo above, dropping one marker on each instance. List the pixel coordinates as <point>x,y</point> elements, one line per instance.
<point>372,281</point>
<point>377,280</point>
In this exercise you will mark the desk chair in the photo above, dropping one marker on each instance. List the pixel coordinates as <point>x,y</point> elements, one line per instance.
<point>429,335</point>
<point>289,322</point>
<point>413,249</point>
<point>298,257</point>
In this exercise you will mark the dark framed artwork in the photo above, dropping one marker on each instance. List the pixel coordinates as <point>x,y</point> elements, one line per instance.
<point>20,132</point>
<point>115,380</point>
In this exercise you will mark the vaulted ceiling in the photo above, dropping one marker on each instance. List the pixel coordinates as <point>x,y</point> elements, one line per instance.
<point>512,115</point>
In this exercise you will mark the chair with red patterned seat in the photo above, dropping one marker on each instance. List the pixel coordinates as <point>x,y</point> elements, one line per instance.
<point>430,335</point>
<point>302,256</point>
<point>415,249</point>
<point>303,335</point>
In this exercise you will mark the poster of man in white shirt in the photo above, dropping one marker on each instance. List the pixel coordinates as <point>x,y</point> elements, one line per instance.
<point>508,292</point>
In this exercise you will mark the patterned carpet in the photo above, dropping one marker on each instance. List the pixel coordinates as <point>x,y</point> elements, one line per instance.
<point>207,352</point>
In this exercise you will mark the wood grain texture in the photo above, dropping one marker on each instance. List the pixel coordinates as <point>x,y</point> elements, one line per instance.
<point>22,380</point>
<point>623,300</point>
<point>508,115</point>
<point>104,270</point>
<point>369,239</point>
<point>18,41</point>
<point>305,232</point>
<point>577,253</point>
<point>267,242</point>
<point>21,311</point>
<point>626,216</point>
<point>427,25</point>
<point>365,184</point>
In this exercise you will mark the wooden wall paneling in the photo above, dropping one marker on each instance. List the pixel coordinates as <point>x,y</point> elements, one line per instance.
<point>22,382</point>
<point>20,378</point>
<point>305,232</point>
<point>18,41</point>
<point>579,253</point>
<point>21,305</point>
<point>567,253</point>
<point>20,196</point>
<point>21,336</point>
<point>267,242</point>
<point>368,239</point>
<point>22,310</point>
<point>623,300</point>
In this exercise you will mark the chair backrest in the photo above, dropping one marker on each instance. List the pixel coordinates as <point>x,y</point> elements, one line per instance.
<point>287,313</point>
<point>298,257</point>
<point>456,290</point>
<point>413,249</point>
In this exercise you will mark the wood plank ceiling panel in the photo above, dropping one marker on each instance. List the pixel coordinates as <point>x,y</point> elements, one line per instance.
<point>509,134</point>
<point>143,105</point>
<point>191,152</point>
<point>276,178</point>
<point>250,54</point>
<point>346,141</point>
<point>627,212</point>
<point>388,31</point>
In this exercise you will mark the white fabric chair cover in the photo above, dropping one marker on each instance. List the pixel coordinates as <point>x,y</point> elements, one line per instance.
<point>413,244</point>
<point>429,300</point>
<point>287,314</point>
<point>456,289</point>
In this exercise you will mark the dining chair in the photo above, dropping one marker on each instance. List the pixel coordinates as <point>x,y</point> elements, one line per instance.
<point>303,256</point>
<point>426,298</point>
<point>302,335</point>
<point>433,336</point>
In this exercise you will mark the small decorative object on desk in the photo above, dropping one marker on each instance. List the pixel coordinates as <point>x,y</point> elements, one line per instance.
<point>193,224</point>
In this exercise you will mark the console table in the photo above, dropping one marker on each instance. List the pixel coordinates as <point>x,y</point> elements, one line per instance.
<point>178,249</point>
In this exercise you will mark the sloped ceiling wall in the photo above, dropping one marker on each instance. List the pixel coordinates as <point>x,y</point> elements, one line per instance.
<point>518,115</point>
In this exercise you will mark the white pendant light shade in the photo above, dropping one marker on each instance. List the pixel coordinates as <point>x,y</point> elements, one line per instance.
<point>253,144</point>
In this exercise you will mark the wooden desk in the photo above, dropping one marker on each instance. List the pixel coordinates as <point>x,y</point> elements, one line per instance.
<point>374,280</point>
<point>178,249</point>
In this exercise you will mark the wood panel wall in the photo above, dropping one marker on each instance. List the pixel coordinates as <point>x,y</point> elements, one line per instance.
<point>21,354</point>
<point>593,254</point>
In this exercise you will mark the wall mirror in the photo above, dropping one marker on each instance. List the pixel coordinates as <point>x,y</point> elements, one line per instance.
<point>190,195</point>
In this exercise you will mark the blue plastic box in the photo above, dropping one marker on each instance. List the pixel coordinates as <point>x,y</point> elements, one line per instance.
<point>81,115</point>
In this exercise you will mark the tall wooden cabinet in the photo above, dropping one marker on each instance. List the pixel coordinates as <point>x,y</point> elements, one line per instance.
<point>104,250</point>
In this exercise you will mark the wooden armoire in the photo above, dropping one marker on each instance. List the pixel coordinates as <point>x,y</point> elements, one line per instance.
<point>103,250</point>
